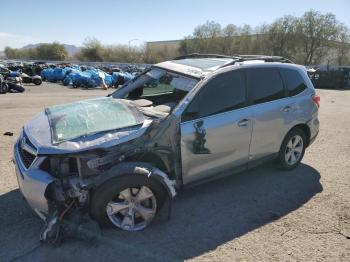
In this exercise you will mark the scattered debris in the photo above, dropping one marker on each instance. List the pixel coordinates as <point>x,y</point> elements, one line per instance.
<point>77,225</point>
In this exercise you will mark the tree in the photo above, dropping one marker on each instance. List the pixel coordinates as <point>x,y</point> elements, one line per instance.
<point>245,40</point>
<point>54,51</point>
<point>343,45</point>
<point>206,37</point>
<point>229,37</point>
<point>316,31</point>
<point>92,50</point>
<point>308,39</point>
<point>11,52</point>
<point>281,36</point>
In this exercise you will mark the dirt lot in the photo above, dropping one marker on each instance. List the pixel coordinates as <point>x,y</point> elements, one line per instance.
<point>260,215</point>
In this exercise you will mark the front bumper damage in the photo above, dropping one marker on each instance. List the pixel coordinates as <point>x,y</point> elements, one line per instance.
<point>33,183</point>
<point>63,203</point>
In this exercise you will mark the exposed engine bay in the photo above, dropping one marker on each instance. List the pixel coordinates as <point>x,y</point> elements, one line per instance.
<point>77,176</point>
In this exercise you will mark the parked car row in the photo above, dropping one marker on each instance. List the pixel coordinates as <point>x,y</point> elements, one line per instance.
<point>86,76</point>
<point>10,84</point>
<point>15,75</point>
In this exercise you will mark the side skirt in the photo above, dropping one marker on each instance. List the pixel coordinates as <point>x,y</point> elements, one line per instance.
<point>232,171</point>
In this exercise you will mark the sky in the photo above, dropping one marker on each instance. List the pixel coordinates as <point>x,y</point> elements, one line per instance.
<point>117,22</point>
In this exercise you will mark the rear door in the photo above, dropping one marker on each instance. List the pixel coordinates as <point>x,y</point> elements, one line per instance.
<point>216,128</point>
<point>272,110</point>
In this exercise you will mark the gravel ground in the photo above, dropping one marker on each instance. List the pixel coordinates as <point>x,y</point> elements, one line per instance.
<point>260,215</point>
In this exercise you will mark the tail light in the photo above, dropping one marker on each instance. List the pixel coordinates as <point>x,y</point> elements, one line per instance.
<point>316,99</point>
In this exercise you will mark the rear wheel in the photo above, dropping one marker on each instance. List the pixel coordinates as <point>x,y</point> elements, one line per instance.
<point>292,149</point>
<point>37,81</point>
<point>3,88</point>
<point>14,88</point>
<point>128,202</point>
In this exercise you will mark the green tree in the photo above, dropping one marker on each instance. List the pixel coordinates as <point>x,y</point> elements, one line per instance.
<point>245,40</point>
<point>229,38</point>
<point>11,53</point>
<point>343,46</point>
<point>92,51</point>
<point>206,37</point>
<point>316,33</point>
<point>280,36</point>
<point>54,51</point>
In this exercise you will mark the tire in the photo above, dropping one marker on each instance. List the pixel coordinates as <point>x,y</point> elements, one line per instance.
<point>294,144</point>
<point>111,189</point>
<point>26,80</point>
<point>37,81</point>
<point>14,88</point>
<point>3,88</point>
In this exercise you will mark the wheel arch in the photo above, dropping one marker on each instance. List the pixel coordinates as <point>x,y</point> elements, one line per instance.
<point>152,159</point>
<point>305,128</point>
<point>137,168</point>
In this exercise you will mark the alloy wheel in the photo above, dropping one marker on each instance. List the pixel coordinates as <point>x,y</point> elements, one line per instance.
<point>294,150</point>
<point>133,208</point>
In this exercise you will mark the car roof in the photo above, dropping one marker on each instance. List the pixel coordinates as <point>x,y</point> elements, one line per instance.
<point>200,65</point>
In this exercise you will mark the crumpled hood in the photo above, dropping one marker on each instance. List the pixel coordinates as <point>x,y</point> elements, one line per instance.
<point>84,125</point>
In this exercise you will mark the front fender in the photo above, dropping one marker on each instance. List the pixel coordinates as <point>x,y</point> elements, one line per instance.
<point>138,168</point>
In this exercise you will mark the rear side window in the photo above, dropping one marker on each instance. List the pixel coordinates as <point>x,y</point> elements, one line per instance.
<point>265,84</point>
<point>223,93</point>
<point>294,81</point>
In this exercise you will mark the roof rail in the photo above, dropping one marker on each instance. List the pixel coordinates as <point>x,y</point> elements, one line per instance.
<point>242,58</point>
<point>265,58</point>
<point>238,58</point>
<point>197,55</point>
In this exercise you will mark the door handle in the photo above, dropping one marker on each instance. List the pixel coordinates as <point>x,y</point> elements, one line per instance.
<point>243,123</point>
<point>286,108</point>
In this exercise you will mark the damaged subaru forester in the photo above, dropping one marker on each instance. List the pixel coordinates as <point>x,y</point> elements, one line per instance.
<point>181,122</point>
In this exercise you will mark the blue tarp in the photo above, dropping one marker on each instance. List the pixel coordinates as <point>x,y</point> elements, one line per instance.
<point>56,74</point>
<point>14,74</point>
<point>89,78</point>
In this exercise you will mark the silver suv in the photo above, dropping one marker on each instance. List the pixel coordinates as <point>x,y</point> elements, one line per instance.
<point>179,123</point>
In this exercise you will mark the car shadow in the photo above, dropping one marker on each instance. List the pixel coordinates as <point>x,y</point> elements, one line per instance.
<point>203,218</point>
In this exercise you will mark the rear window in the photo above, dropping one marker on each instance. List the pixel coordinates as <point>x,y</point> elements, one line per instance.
<point>294,81</point>
<point>265,84</point>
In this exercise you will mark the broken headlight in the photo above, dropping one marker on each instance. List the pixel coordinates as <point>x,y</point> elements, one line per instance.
<point>60,167</point>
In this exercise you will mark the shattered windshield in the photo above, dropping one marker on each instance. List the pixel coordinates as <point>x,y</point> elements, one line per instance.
<point>88,117</point>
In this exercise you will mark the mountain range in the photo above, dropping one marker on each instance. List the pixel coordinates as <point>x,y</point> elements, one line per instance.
<point>71,49</point>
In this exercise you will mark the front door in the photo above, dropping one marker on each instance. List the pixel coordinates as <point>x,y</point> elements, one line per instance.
<point>216,128</point>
